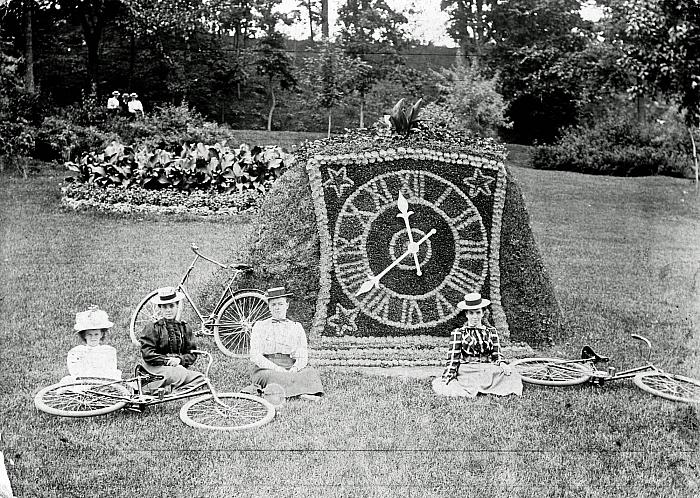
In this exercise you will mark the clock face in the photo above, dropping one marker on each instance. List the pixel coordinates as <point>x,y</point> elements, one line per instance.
<point>368,237</point>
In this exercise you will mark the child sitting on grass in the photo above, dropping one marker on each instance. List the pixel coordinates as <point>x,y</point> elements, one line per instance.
<point>92,358</point>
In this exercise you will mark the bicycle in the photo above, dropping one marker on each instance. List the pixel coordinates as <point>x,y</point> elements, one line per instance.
<point>649,378</point>
<point>231,320</point>
<point>88,397</point>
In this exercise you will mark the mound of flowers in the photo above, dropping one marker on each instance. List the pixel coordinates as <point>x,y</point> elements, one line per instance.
<point>200,179</point>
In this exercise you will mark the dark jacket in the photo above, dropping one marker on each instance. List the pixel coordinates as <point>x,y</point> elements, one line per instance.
<point>157,344</point>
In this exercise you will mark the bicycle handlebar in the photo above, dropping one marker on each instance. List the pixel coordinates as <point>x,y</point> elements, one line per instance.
<point>640,338</point>
<point>195,249</point>
<point>648,343</point>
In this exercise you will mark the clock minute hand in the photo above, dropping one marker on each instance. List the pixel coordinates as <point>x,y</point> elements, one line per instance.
<point>374,281</point>
<point>405,213</point>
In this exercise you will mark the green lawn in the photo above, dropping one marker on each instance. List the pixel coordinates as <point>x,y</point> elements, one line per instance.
<point>624,255</point>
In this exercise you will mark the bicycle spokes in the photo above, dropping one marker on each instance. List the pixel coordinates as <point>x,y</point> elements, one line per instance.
<point>670,386</point>
<point>236,321</point>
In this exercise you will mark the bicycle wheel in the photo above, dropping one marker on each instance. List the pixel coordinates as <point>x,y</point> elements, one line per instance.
<point>669,386</point>
<point>238,412</point>
<point>146,312</point>
<point>235,321</point>
<point>552,371</point>
<point>85,398</point>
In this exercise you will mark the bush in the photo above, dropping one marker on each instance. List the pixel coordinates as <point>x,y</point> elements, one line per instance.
<point>59,139</point>
<point>200,167</point>
<point>618,146</point>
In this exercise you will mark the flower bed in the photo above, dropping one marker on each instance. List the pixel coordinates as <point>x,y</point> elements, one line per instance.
<point>165,201</point>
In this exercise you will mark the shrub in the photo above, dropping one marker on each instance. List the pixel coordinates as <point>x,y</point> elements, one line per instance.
<point>618,146</point>
<point>197,167</point>
<point>472,97</point>
<point>59,138</point>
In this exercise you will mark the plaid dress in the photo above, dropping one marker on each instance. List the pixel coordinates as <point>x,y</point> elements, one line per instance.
<point>473,365</point>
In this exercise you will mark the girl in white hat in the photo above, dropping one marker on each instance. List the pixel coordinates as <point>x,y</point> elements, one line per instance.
<point>167,344</point>
<point>475,363</point>
<point>92,358</point>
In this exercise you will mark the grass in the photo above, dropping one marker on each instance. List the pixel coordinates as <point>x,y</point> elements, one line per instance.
<point>624,255</point>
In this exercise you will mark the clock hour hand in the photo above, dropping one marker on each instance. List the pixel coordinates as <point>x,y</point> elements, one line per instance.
<point>412,248</point>
<point>405,213</point>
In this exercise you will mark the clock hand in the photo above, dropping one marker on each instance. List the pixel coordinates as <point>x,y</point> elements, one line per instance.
<point>412,248</point>
<point>405,213</point>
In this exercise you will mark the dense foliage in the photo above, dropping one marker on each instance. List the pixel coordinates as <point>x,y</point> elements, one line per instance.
<point>620,146</point>
<point>196,167</point>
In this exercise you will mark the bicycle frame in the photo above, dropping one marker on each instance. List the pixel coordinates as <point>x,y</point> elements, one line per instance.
<point>228,291</point>
<point>138,398</point>
<point>611,374</point>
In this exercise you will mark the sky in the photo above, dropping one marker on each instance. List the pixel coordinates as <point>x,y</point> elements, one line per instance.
<point>428,24</point>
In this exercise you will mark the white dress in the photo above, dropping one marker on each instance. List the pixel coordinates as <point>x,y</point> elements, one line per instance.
<point>96,361</point>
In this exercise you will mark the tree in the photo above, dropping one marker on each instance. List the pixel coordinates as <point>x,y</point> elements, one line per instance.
<point>91,15</point>
<point>375,33</point>
<point>314,13</point>
<point>661,43</point>
<point>469,24</point>
<point>532,41</point>
<point>273,62</point>
<point>471,97</point>
<point>332,76</point>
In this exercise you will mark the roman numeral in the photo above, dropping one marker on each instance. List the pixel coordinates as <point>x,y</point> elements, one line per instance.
<point>411,313</point>
<point>356,214</point>
<point>381,194</point>
<point>413,184</point>
<point>462,279</point>
<point>349,248</point>
<point>443,306</point>
<point>352,274</point>
<point>377,302</point>
<point>445,194</point>
<point>465,219</point>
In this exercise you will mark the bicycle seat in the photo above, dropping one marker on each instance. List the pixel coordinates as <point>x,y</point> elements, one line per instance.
<point>587,353</point>
<point>139,371</point>
<point>241,267</point>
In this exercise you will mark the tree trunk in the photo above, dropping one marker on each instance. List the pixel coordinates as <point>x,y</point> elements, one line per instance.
<point>132,60</point>
<point>324,19</point>
<point>28,46</point>
<point>329,123</point>
<point>362,112</point>
<point>309,7</point>
<point>272,107</point>
<point>695,156</point>
<point>92,32</point>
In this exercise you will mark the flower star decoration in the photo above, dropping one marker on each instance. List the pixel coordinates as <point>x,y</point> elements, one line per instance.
<point>343,320</point>
<point>479,184</point>
<point>338,181</point>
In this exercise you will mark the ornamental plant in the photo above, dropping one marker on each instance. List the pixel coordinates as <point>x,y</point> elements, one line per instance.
<point>196,167</point>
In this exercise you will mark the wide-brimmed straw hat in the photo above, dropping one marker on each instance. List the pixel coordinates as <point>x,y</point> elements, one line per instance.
<point>277,292</point>
<point>167,295</point>
<point>92,319</point>
<point>116,93</point>
<point>134,95</point>
<point>473,301</point>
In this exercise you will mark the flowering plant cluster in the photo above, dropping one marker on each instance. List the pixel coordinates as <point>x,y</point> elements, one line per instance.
<point>164,201</point>
<point>197,167</point>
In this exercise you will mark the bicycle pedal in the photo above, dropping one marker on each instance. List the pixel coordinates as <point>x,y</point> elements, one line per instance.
<point>159,393</point>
